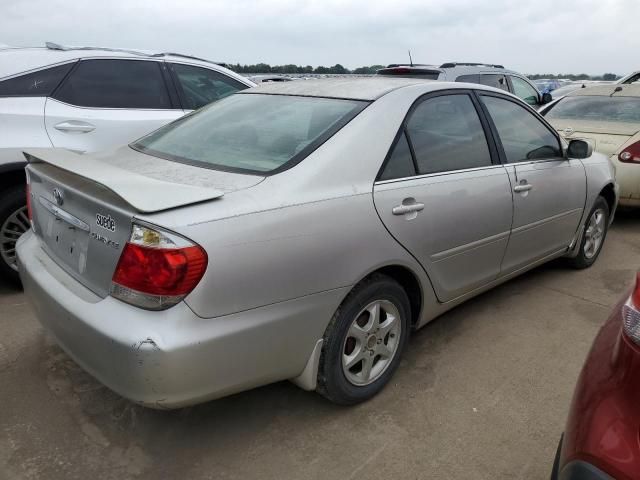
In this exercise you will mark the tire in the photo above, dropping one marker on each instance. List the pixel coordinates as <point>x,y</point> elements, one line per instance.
<point>354,333</point>
<point>589,250</point>
<point>13,222</point>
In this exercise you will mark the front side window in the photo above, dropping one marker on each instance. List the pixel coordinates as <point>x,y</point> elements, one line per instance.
<point>523,90</point>
<point>115,84</point>
<point>446,134</point>
<point>495,81</point>
<point>200,86</point>
<point>523,136</point>
<point>36,84</point>
<point>596,108</point>
<point>251,133</point>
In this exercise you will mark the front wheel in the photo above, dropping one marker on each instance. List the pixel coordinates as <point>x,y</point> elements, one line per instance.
<point>595,231</point>
<point>364,341</point>
<point>14,221</point>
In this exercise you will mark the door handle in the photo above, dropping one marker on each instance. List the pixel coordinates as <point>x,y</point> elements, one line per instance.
<point>404,209</point>
<point>72,126</point>
<point>523,187</point>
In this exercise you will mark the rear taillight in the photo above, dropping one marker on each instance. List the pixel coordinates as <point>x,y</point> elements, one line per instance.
<point>631,313</point>
<point>631,154</point>
<point>157,269</point>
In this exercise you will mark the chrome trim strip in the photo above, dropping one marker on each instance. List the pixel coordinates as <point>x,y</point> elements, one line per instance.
<point>544,220</point>
<point>438,174</point>
<point>62,215</point>
<point>468,246</point>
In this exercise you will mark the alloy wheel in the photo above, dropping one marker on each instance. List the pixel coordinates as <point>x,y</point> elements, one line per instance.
<point>594,235</point>
<point>13,227</point>
<point>371,342</point>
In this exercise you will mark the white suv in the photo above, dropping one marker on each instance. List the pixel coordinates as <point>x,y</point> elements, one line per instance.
<point>88,99</point>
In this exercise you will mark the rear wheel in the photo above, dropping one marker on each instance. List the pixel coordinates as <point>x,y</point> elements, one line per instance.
<point>595,232</point>
<point>364,341</point>
<point>14,221</point>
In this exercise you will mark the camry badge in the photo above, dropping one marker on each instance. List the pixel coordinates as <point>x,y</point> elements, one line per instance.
<point>58,196</point>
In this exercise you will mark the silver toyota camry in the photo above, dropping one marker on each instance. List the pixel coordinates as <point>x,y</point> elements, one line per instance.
<point>299,231</point>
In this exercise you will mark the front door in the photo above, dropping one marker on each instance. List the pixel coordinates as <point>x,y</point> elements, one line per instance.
<point>443,197</point>
<point>549,190</point>
<point>104,103</point>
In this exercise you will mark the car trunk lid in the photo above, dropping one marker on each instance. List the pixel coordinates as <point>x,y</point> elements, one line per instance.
<point>83,206</point>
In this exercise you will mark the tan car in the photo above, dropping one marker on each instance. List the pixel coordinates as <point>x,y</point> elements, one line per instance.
<point>608,116</point>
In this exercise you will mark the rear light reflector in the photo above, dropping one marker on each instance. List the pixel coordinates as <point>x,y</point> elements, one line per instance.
<point>157,269</point>
<point>631,313</point>
<point>631,154</point>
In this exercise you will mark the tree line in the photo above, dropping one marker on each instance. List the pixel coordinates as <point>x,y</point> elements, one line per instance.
<point>338,69</point>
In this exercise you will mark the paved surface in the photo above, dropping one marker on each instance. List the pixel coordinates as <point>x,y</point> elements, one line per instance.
<point>482,393</point>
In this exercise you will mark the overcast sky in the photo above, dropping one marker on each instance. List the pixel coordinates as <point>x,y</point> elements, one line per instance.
<point>543,36</point>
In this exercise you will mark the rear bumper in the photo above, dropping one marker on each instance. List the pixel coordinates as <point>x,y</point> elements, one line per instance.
<point>171,358</point>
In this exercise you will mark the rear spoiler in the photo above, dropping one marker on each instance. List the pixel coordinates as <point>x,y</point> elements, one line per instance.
<point>145,194</point>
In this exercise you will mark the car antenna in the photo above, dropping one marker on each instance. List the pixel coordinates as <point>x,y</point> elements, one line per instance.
<point>410,59</point>
<point>615,90</point>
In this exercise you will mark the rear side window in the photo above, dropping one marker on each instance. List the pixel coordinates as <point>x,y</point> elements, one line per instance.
<point>469,78</point>
<point>524,91</point>
<point>523,136</point>
<point>400,163</point>
<point>446,134</point>
<point>36,84</point>
<point>115,84</point>
<point>200,86</point>
<point>251,133</point>
<point>495,81</point>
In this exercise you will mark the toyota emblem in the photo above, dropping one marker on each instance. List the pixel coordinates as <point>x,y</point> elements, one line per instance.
<point>568,131</point>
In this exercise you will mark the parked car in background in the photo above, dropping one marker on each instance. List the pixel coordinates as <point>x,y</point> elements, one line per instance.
<point>299,230</point>
<point>88,99</point>
<point>609,117</point>
<point>485,74</point>
<point>269,78</point>
<point>633,77</point>
<point>600,440</point>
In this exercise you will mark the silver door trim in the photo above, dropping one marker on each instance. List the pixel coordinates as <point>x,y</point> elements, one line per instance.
<point>437,174</point>
<point>545,220</point>
<point>436,257</point>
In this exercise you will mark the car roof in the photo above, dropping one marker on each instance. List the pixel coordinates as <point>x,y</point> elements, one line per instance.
<point>16,60</point>
<point>368,88</point>
<point>612,90</point>
<point>358,88</point>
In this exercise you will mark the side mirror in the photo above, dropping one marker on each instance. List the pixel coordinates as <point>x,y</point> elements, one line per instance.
<point>546,98</point>
<point>579,149</point>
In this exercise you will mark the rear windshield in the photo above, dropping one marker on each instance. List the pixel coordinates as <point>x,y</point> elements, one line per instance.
<point>596,108</point>
<point>251,133</point>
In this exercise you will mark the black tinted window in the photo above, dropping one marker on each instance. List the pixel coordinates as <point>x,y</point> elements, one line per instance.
<point>446,134</point>
<point>36,84</point>
<point>201,86</point>
<point>400,163</point>
<point>469,78</point>
<point>523,136</point>
<point>496,81</point>
<point>115,84</point>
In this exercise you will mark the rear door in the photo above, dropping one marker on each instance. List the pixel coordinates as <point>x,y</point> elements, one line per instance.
<point>105,103</point>
<point>549,190</point>
<point>444,197</point>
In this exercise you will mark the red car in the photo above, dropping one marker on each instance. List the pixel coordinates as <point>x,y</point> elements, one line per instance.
<point>602,436</point>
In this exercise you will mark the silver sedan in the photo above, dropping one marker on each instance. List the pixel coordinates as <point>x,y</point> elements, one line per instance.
<point>299,231</point>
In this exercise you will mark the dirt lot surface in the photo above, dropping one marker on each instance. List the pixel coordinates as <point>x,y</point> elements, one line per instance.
<point>482,392</point>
